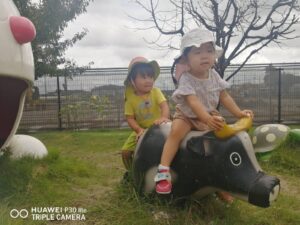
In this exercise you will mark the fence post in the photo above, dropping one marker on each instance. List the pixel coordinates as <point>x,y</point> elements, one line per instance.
<point>279,95</point>
<point>119,110</point>
<point>59,103</point>
<point>271,109</point>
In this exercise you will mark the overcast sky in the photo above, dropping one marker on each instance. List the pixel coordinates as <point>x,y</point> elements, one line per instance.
<point>112,42</point>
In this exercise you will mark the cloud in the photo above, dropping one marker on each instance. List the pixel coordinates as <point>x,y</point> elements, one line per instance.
<point>111,41</point>
<point>116,56</point>
<point>112,36</point>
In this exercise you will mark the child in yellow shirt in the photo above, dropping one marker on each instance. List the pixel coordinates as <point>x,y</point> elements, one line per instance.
<point>145,105</point>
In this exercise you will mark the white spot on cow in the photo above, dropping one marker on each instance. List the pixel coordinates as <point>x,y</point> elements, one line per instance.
<point>274,193</point>
<point>264,129</point>
<point>165,128</point>
<point>149,180</point>
<point>254,140</point>
<point>271,137</point>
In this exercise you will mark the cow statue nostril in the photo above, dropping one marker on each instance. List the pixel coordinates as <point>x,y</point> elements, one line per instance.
<point>22,29</point>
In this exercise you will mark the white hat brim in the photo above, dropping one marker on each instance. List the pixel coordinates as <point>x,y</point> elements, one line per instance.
<point>219,51</point>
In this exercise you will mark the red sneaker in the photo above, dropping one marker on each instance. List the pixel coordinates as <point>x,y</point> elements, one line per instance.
<point>163,187</point>
<point>163,182</point>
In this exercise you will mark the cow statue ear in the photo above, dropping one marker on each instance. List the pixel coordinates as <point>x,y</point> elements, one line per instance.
<point>196,145</point>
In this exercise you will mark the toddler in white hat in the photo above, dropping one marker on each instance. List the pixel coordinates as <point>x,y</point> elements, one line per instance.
<point>195,38</point>
<point>199,91</point>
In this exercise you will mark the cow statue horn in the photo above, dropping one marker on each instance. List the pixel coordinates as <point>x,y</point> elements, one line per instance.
<point>229,130</point>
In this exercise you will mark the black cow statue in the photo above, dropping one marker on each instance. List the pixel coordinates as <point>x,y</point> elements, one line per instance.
<point>205,164</point>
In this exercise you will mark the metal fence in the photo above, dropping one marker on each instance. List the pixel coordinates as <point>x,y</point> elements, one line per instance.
<point>95,98</point>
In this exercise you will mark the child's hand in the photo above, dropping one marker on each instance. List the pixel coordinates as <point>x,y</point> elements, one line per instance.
<point>139,134</point>
<point>161,120</point>
<point>247,112</point>
<point>215,122</point>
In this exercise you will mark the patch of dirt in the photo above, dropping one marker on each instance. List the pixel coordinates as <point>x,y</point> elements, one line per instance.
<point>289,186</point>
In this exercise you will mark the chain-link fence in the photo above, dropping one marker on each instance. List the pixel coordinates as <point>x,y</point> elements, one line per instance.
<point>95,98</point>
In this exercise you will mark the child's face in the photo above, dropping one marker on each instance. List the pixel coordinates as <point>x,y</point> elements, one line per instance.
<point>202,58</point>
<point>143,83</point>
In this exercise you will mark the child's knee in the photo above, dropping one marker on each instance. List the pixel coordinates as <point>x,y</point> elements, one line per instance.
<point>179,132</point>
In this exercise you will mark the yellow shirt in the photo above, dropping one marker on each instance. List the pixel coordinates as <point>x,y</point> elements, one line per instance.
<point>145,109</point>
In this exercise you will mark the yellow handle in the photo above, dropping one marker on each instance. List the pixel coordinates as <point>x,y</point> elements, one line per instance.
<point>229,130</point>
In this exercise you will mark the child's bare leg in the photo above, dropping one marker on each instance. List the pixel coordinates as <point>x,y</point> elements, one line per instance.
<point>163,178</point>
<point>178,131</point>
<point>127,158</point>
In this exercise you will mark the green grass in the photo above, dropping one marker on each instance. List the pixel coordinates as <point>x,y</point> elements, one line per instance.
<point>84,169</point>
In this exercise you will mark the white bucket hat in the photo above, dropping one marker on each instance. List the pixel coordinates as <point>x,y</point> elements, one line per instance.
<point>196,37</point>
<point>142,60</point>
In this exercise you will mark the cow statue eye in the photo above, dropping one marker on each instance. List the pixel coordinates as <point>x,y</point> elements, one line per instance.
<point>235,158</point>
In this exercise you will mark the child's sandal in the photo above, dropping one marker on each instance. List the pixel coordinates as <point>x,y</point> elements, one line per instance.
<point>163,182</point>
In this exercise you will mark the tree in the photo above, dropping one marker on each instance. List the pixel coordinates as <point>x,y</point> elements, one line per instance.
<point>50,19</point>
<point>246,26</point>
